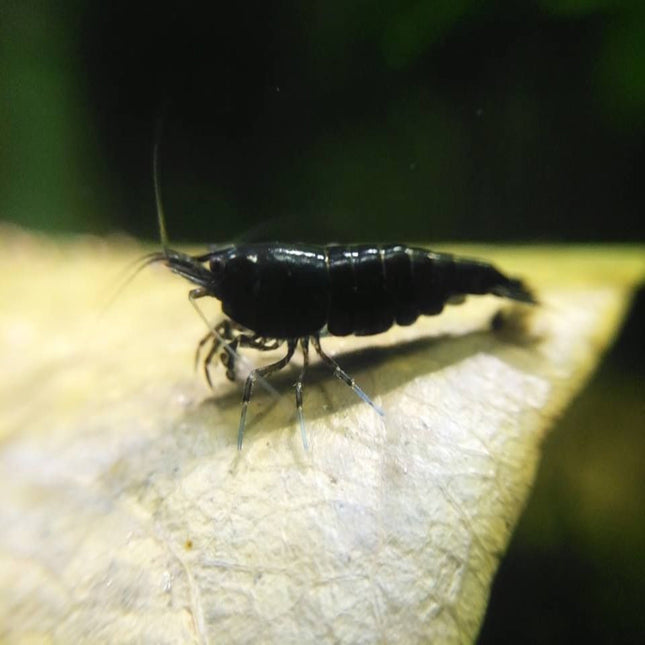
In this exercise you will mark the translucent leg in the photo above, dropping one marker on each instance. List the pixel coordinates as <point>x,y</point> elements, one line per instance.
<point>221,332</point>
<point>261,372</point>
<point>343,376</point>
<point>304,344</point>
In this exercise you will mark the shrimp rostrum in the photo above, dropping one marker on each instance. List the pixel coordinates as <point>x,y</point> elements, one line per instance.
<point>275,294</point>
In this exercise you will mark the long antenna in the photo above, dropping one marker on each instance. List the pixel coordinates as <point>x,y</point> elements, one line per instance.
<point>166,254</point>
<point>161,218</point>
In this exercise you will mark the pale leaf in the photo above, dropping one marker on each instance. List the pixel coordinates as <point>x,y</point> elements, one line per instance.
<point>128,514</point>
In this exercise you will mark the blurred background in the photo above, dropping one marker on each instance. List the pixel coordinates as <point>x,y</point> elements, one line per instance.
<point>412,120</point>
<point>397,119</point>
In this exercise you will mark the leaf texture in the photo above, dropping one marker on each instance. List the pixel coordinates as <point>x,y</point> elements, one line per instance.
<point>128,515</point>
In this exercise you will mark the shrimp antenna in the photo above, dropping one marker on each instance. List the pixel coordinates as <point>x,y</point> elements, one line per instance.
<point>161,218</point>
<point>168,255</point>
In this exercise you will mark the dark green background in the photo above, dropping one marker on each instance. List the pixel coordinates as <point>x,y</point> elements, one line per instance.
<point>393,120</point>
<point>399,119</point>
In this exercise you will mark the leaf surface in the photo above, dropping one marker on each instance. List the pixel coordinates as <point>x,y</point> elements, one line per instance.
<point>128,514</point>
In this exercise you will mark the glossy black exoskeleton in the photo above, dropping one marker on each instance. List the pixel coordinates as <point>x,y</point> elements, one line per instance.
<point>276,293</point>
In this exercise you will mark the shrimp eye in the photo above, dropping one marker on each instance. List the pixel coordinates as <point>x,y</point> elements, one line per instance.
<point>216,265</point>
